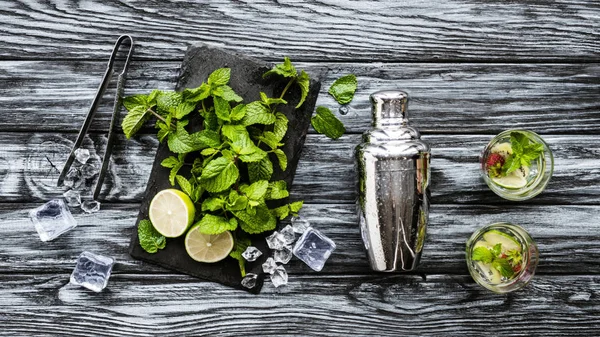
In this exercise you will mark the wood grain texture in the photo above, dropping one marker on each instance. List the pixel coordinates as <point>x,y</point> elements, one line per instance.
<point>30,164</point>
<point>351,305</point>
<point>444,98</point>
<point>567,237</point>
<point>323,30</point>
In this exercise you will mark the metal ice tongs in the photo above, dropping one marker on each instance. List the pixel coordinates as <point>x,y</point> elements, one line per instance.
<point>92,112</point>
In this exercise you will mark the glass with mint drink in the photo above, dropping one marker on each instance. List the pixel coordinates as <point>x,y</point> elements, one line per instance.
<point>517,164</point>
<point>502,257</point>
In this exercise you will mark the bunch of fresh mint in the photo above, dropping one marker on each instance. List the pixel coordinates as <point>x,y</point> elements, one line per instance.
<point>235,142</point>
<point>524,151</point>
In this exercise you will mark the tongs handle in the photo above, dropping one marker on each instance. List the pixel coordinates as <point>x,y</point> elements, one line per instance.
<point>94,107</point>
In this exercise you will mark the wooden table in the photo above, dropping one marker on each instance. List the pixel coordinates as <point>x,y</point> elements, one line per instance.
<point>472,68</point>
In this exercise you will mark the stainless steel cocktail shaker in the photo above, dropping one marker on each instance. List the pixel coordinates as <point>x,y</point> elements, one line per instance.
<point>393,174</point>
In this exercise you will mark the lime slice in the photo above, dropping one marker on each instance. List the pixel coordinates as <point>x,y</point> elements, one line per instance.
<point>508,242</point>
<point>208,248</point>
<point>171,212</point>
<point>515,180</point>
<point>503,149</point>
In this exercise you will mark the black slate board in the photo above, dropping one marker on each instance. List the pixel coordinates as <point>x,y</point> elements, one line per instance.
<point>246,79</point>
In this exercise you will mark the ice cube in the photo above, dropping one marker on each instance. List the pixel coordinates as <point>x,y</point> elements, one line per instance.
<point>275,240</point>
<point>82,155</point>
<point>279,277</point>
<point>52,219</point>
<point>251,254</point>
<point>269,266</point>
<point>283,255</point>
<point>288,235</point>
<point>314,248</point>
<point>90,206</point>
<point>300,224</point>
<point>92,167</point>
<point>92,271</point>
<point>72,197</point>
<point>73,179</point>
<point>249,281</point>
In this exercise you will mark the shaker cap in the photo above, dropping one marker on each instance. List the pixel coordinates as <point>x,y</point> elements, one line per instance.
<point>389,107</point>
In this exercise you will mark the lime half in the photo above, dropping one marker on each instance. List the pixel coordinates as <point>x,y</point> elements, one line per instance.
<point>208,248</point>
<point>171,212</point>
<point>508,242</point>
<point>515,180</point>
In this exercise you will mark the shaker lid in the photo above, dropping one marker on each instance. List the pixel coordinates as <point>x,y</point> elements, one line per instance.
<point>389,107</point>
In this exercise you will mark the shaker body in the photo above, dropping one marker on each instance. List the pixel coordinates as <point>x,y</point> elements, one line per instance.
<point>393,203</point>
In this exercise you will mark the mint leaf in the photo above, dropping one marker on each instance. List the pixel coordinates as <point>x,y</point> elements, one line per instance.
<point>213,224</point>
<point>343,89</point>
<point>285,69</point>
<point>227,94</point>
<point>261,170</point>
<point>222,108</point>
<point>219,175</point>
<point>497,249</point>
<point>257,113</point>
<point>238,112</point>
<point>150,239</point>
<point>211,122</point>
<point>240,202</point>
<point>241,244</point>
<point>184,109</point>
<point>185,185</point>
<point>514,257</point>
<point>182,142</point>
<point>196,95</point>
<point>270,139</point>
<point>209,151</point>
<point>212,204</point>
<point>280,126</point>
<point>326,123</point>
<point>277,190</point>
<point>504,267</point>
<point>282,158</point>
<point>131,102</point>
<point>256,191</point>
<point>482,254</point>
<point>134,120</point>
<point>169,162</point>
<point>205,138</point>
<point>296,206</point>
<point>167,102</point>
<point>304,83</point>
<point>219,77</point>
<point>253,157</point>
<point>261,221</point>
<point>281,212</point>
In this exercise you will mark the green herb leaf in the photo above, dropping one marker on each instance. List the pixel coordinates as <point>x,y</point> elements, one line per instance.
<point>227,94</point>
<point>280,126</point>
<point>222,108</point>
<point>169,162</point>
<point>131,102</point>
<point>304,83</point>
<point>277,190</point>
<point>256,191</point>
<point>497,249</point>
<point>185,185</point>
<point>326,123</point>
<point>261,170</point>
<point>219,175</point>
<point>150,240</point>
<point>212,204</point>
<point>257,113</point>
<point>167,102</point>
<point>241,244</point>
<point>213,224</point>
<point>281,212</point>
<point>134,120</point>
<point>285,69</point>
<point>196,95</point>
<point>219,77</point>
<point>182,142</point>
<point>296,206</point>
<point>261,221</point>
<point>184,109</point>
<point>343,89</point>
<point>524,152</point>
<point>282,158</point>
<point>504,267</point>
<point>514,257</point>
<point>238,112</point>
<point>482,254</point>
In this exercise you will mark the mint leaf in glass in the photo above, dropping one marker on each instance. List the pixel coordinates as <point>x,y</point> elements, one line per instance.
<point>482,254</point>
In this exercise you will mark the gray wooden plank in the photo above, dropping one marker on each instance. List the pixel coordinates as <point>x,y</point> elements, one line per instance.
<point>445,98</point>
<point>314,30</point>
<point>30,164</point>
<point>567,237</point>
<point>350,305</point>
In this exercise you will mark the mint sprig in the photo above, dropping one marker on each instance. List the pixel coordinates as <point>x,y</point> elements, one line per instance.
<point>504,263</point>
<point>524,152</point>
<point>229,178</point>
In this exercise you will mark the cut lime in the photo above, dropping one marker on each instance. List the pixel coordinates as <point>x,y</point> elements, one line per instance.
<point>515,180</point>
<point>494,237</point>
<point>503,149</point>
<point>208,248</point>
<point>171,212</point>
